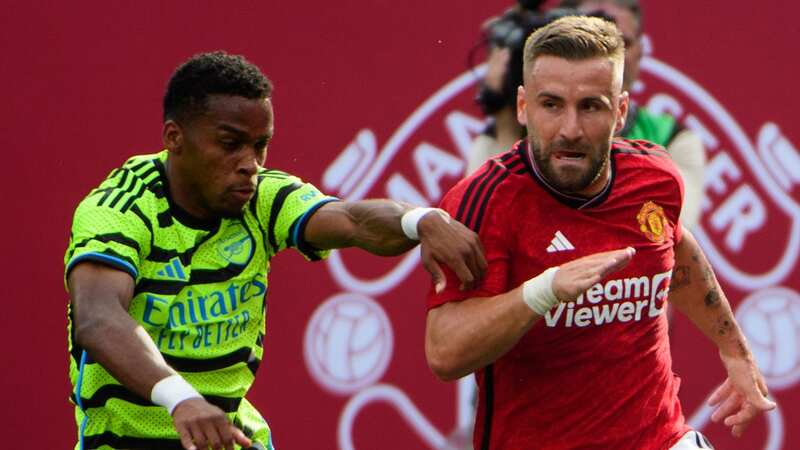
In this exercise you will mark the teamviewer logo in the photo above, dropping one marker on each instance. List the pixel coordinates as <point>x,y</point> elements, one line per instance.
<point>659,290</point>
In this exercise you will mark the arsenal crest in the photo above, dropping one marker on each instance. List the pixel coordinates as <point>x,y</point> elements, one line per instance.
<point>652,221</point>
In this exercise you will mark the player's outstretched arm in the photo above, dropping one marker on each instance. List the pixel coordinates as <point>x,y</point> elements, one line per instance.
<point>462,337</point>
<point>696,293</point>
<point>375,226</point>
<point>100,297</point>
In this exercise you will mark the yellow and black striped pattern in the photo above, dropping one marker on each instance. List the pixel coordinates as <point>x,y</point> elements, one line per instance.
<point>200,293</point>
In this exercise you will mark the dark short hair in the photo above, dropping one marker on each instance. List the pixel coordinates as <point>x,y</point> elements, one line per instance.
<point>631,5</point>
<point>207,74</point>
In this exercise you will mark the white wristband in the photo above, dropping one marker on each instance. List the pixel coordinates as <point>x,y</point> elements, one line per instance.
<point>538,292</point>
<point>411,219</point>
<point>172,390</point>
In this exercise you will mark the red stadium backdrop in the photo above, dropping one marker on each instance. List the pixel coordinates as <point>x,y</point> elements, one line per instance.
<point>374,99</point>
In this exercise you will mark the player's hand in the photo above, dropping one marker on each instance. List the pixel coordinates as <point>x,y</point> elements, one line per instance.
<point>742,397</point>
<point>202,425</point>
<point>453,244</point>
<point>575,277</point>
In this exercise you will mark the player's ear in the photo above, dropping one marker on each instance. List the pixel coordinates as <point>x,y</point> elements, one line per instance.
<point>522,112</point>
<point>622,112</point>
<point>172,136</point>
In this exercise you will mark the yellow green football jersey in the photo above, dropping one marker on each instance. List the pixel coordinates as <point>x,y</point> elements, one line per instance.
<point>200,293</point>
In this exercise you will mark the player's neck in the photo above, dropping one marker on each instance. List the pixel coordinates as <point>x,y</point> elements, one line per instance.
<point>598,185</point>
<point>181,193</point>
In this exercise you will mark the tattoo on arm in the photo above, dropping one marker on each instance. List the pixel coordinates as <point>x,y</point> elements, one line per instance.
<point>712,299</point>
<point>724,325</point>
<point>680,277</point>
<point>743,348</point>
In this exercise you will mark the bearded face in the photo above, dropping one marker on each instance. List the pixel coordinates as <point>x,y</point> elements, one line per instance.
<point>572,108</point>
<point>570,167</point>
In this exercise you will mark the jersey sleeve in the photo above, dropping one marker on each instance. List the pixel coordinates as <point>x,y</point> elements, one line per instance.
<point>109,233</point>
<point>673,211</point>
<point>662,177</point>
<point>283,205</point>
<point>487,217</point>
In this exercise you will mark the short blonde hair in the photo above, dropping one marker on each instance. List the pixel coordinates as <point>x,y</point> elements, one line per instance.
<point>575,38</point>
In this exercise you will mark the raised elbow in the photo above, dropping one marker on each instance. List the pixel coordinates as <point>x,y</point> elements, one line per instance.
<point>446,373</point>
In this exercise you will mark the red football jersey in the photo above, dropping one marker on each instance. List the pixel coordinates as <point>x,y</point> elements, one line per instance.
<point>595,373</point>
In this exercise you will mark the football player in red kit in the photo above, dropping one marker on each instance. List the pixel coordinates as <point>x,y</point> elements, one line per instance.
<point>571,351</point>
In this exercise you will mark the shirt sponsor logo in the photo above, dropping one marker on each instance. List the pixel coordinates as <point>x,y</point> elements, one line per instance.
<point>620,300</point>
<point>201,318</point>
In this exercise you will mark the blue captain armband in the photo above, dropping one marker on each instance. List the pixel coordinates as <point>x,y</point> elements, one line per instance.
<point>113,261</point>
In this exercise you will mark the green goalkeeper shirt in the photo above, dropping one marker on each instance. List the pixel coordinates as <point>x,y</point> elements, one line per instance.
<point>200,293</point>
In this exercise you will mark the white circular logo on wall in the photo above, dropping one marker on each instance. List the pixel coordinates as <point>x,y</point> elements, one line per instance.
<point>348,343</point>
<point>770,319</point>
